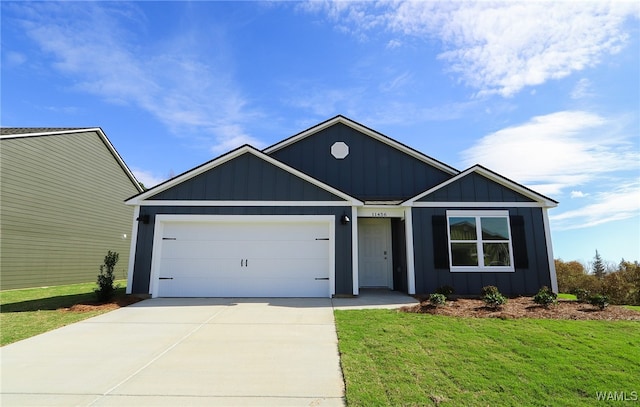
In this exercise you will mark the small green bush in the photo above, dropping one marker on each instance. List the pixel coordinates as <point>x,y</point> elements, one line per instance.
<point>581,294</point>
<point>545,297</point>
<point>492,297</point>
<point>437,299</point>
<point>106,289</point>
<point>599,300</point>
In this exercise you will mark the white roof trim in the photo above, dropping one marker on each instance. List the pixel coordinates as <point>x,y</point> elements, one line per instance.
<point>367,131</point>
<point>185,202</point>
<point>50,133</point>
<point>474,204</point>
<point>141,199</point>
<point>97,130</point>
<point>542,200</point>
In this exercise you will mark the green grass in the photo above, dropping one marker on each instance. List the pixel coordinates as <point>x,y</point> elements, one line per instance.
<point>562,296</point>
<point>398,359</point>
<point>32,311</point>
<point>633,307</point>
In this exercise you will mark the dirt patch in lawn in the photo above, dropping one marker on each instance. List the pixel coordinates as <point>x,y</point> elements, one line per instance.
<point>524,307</point>
<point>117,302</point>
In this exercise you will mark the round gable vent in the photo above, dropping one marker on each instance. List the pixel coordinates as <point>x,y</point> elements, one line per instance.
<point>339,150</point>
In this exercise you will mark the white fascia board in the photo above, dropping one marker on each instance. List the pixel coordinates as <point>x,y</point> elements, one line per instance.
<point>142,198</point>
<point>369,132</point>
<point>102,136</point>
<point>539,200</point>
<point>50,133</point>
<point>117,156</point>
<point>448,204</point>
<point>242,203</point>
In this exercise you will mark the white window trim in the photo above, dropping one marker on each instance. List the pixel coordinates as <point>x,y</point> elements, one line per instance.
<point>480,267</point>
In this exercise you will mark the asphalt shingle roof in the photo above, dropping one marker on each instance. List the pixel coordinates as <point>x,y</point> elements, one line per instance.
<point>7,131</point>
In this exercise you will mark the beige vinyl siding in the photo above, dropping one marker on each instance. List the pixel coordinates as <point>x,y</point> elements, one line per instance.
<point>61,210</point>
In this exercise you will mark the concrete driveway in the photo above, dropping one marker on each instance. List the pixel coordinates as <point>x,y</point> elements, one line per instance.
<point>170,352</point>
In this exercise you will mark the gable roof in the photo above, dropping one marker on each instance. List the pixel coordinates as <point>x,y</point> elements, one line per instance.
<point>245,149</point>
<point>366,131</point>
<point>493,176</point>
<point>10,133</point>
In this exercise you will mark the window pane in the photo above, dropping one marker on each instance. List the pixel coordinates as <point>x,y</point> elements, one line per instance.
<point>496,254</point>
<point>462,228</point>
<point>494,229</point>
<point>464,254</point>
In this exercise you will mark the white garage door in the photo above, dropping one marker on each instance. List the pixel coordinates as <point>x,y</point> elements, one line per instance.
<point>239,258</point>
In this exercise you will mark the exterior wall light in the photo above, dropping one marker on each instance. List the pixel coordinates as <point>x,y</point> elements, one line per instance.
<point>344,219</point>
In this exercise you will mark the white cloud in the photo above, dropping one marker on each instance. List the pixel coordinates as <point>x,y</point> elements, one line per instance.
<point>582,89</point>
<point>392,44</point>
<point>148,178</point>
<point>500,47</point>
<point>15,59</point>
<point>557,151</point>
<point>578,194</point>
<point>623,202</point>
<point>94,45</point>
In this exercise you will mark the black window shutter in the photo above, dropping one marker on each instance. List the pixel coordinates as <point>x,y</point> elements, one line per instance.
<point>519,242</point>
<point>440,242</point>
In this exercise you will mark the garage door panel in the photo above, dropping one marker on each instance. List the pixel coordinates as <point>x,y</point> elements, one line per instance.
<point>247,231</point>
<point>206,288</point>
<point>244,271</point>
<point>190,249</point>
<point>245,259</point>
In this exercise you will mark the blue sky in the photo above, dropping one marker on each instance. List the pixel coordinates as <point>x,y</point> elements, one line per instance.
<point>545,93</point>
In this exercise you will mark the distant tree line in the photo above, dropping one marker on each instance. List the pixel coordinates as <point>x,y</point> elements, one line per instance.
<point>620,283</point>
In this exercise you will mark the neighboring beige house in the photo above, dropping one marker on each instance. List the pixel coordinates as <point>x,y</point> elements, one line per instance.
<point>61,206</point>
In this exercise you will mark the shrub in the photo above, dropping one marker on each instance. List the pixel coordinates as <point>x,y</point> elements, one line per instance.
<point>581,294</point>
<point>492,297</point>
<point>106,289</point>
<point>545,297</point>
<point>437,299</point>
<point>599,300</point>
<point>623,286</point>
<point>445,290</point>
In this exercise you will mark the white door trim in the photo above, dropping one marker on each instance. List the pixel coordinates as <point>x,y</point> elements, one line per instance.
<point>162,220</point>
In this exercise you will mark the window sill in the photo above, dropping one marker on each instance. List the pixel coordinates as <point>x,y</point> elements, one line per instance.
<point>482,269</point>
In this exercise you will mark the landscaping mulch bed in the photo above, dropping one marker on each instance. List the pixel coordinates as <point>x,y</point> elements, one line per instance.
<point>117,302</point>
<point>524,307</point>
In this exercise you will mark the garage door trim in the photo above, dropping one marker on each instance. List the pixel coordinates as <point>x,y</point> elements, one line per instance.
<point>162,220</point>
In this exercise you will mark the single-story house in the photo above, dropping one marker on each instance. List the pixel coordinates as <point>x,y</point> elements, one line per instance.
<point>61,193</point>
<point>334,209</point>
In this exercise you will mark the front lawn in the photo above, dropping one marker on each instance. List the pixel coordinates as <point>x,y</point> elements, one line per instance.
<point>400,359</point>
<point>32,311</point>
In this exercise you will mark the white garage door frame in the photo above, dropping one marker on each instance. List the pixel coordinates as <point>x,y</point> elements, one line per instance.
<point>163,220</point>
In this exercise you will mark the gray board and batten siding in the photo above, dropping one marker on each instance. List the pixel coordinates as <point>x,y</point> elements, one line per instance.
<point>474,188</point>
<point>431,242</point>
<point>432,262</point>
<point>246,177</point>
<point>372,171</point>
<point>61,192</point>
